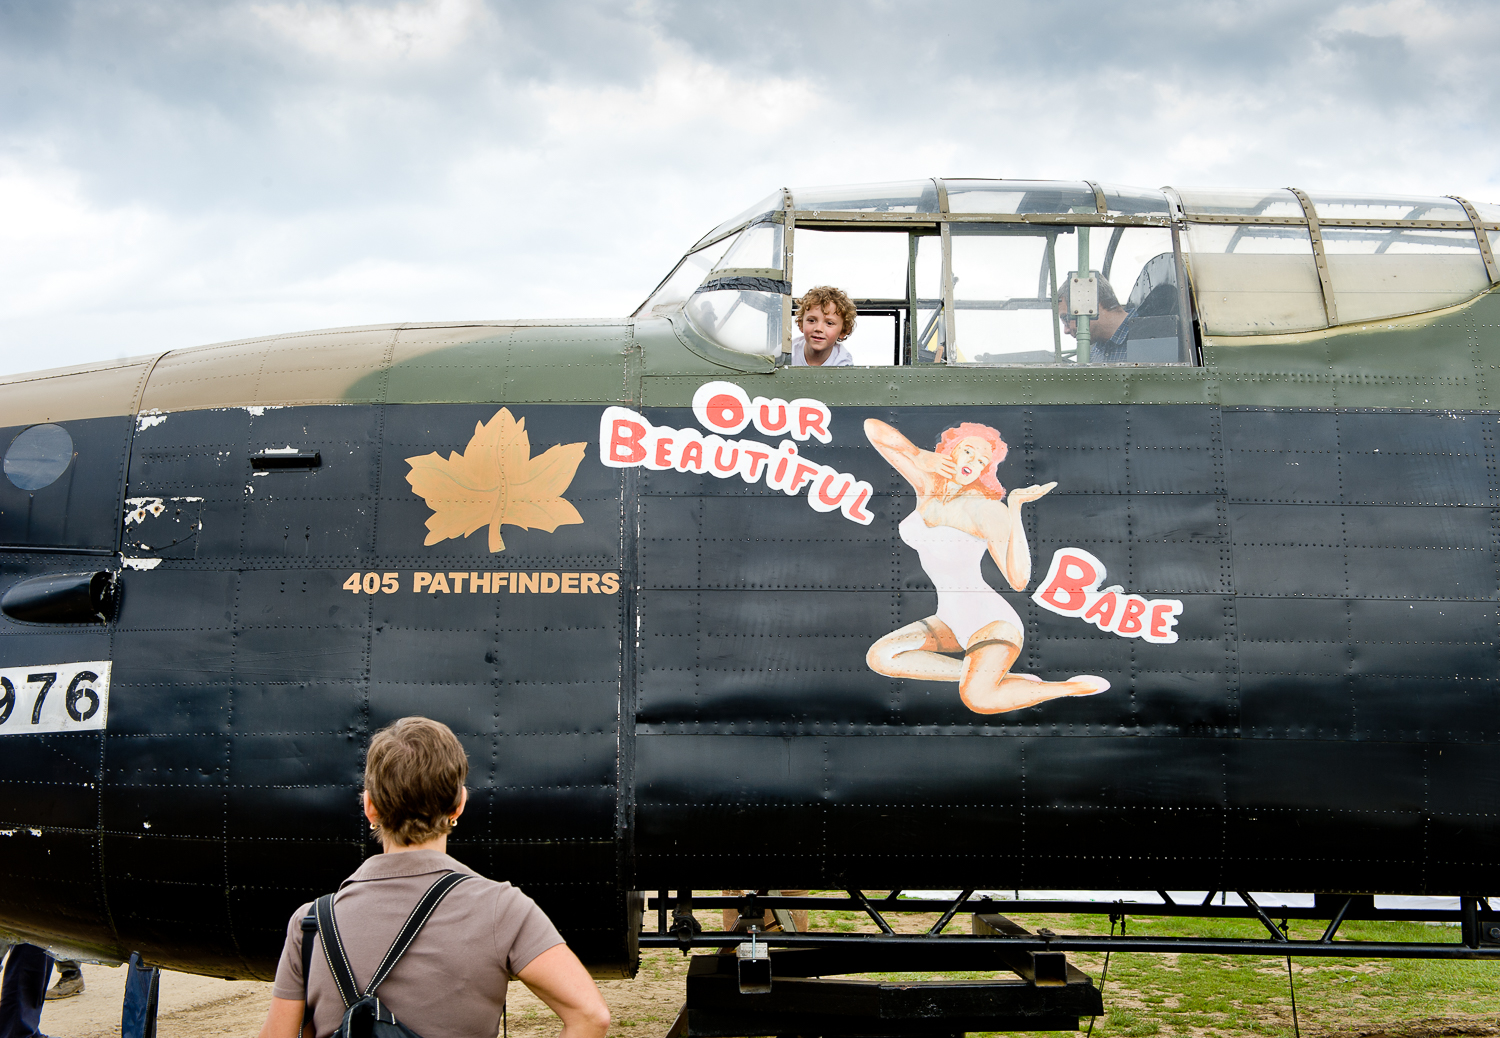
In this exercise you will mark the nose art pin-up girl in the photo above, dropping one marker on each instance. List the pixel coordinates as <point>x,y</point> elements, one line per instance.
<point>962,510</point>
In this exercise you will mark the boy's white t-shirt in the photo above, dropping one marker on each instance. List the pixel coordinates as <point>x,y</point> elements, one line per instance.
<point>839,358</point>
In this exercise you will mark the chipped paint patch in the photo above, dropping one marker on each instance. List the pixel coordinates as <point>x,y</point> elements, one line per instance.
<point>282,450</point>
<point>149,419</point>
<point>142,564</point>
<point>140,507</point>
<point>258,410</point>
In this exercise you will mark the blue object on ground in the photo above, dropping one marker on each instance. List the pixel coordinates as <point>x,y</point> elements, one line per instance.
<point>27,971</point>
<point>142,988</point>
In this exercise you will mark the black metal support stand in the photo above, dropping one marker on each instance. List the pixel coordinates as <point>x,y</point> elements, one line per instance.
<point>779,982</point>
<point>793,994</point>
<point>1479,932</point>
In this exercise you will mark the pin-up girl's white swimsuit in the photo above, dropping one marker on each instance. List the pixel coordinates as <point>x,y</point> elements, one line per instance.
<point>951,558</point>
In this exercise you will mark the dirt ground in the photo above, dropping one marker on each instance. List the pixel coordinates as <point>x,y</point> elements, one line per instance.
<point>202,1007</point>
<point>206,1007</point>
<point>189,1006</point>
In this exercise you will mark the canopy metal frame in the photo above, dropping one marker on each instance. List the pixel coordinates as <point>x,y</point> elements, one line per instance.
<point>1179,216</point>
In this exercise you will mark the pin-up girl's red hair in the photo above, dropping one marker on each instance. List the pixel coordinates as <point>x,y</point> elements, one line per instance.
<point>988,482</point>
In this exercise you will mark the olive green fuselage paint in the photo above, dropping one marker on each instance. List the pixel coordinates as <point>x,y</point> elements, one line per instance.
<point>1439,360</point>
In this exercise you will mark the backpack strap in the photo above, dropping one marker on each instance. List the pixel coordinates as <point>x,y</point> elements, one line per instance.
<point>309,927</point>
<point>333,951</point>
<point>414,923</point>
<point>333,943</point>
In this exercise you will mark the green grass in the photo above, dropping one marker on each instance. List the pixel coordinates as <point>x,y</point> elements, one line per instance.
<point>837,922</point>
<point>1226,996</point>
<point>1232,995</point>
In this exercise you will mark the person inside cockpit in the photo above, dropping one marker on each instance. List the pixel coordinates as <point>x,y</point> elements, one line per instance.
<point>1115,326</point>
<point>824,320</point>
<point>1108,331</point>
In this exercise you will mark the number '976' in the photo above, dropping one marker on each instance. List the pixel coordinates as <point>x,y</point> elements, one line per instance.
<point>54,697</point>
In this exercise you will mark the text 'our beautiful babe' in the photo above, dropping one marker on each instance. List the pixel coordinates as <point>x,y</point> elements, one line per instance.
<point>627,440</point>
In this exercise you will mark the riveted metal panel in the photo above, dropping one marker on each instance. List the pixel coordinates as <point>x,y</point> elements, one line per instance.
<point>78,509</point>
<point>1333,562</point>
<point>1250,517</point>
<point>75,393</point>
<point>250,670</point>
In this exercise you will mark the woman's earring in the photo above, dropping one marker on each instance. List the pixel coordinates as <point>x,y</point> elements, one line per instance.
<point>453,822</point>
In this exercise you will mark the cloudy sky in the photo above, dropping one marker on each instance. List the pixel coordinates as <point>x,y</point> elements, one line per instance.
<point>176,172</point>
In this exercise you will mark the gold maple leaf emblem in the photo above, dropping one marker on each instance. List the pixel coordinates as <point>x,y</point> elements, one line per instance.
<point>496,480</point>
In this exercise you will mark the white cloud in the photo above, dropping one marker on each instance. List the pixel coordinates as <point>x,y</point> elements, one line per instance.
<point>179,173</point>
<point>370,35</point>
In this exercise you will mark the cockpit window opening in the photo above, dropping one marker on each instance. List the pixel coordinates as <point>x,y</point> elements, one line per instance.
<point>1013,296</point>
<point>872,267</point>
<point>1000,305</point>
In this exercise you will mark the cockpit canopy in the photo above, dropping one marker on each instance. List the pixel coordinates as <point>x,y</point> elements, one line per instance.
<point>971,271</point>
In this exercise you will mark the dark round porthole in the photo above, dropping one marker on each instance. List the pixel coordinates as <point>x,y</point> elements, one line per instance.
<point>38,456</point>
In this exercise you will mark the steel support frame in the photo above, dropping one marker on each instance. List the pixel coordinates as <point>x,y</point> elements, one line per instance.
<point>810,991</point>
<point>1007,946</point>
<point>1479,933</point>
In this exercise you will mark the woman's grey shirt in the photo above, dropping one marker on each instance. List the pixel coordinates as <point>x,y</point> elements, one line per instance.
<point>451,981</point>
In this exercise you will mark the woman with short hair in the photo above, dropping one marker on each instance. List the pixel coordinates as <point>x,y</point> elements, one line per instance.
<point>451,981</point>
